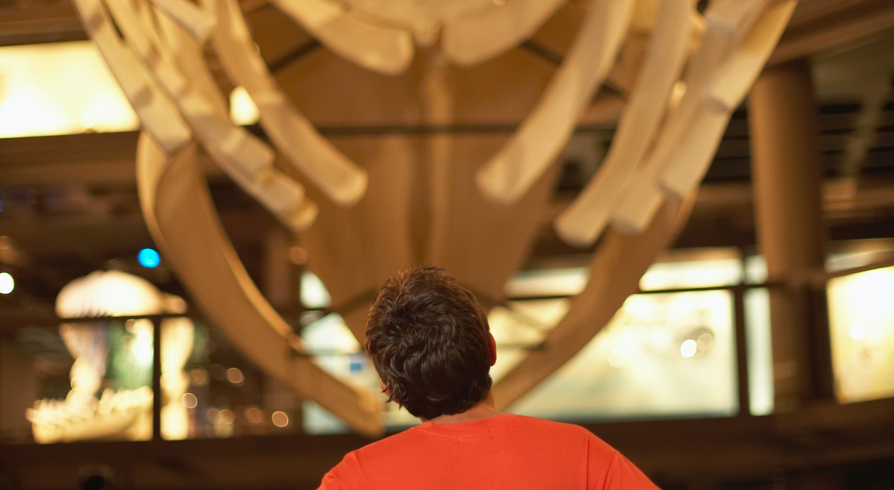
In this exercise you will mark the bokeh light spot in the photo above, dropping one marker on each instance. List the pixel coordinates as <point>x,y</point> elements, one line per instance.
<point>189,400</point>
<point>149,258</point>
<point>7,283</point>
<point>688,348</point>
<point>280,419</point>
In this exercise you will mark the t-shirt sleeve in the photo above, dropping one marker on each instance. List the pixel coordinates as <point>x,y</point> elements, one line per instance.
<point>620,473</point>
<point>344,476</point>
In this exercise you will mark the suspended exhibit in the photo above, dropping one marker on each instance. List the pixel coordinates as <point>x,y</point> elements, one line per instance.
<point>472,203</point>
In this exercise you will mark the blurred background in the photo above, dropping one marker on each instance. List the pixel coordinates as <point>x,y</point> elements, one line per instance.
<point>682,380</point>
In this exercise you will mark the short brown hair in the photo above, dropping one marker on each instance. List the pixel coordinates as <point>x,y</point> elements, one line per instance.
<point>428,339</point>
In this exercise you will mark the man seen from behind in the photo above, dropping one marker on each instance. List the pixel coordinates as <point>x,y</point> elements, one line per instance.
<point>431,344</point>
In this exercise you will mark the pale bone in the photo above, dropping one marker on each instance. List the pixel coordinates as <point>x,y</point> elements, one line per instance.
<point>733,18</point>
<point>188,55</point>
<point>515,167</point>
<point>624,72</point>
<point>727,88</point>
<point>480,36</point>
<point>582,222</point>
<point>316,158</point>
<point>179,213</point>
<point>131,20</point>
<point>380,48</point>
<point>199,23</point>
<point>645,15</point>
<point>248,158</point>
<point>296,212</point>
<point>243,157</point>
<point>644,196</point>
<point>615,271</point>
<point>158,115</point>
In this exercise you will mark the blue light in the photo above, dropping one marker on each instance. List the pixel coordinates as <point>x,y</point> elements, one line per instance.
<point>148,258</point>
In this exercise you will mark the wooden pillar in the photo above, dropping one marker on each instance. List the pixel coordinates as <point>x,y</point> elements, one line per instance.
<point>787,177</point>
<point>278,280</point>
<point>18,391</point>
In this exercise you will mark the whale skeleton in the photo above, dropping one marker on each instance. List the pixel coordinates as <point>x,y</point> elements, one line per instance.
<point>661,151</point>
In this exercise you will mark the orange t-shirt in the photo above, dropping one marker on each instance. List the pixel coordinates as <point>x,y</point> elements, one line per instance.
<point>510,452</point>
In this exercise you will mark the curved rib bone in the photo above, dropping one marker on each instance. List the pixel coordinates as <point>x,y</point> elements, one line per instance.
<point>588,215</point>
<point>727,87</point>
<point>181,217</point>
<point>690,132</point>
<point>478,37</point>
<point>243,157</point>
<point>512,171</point>
<point>198,22</point>
<point>158,115</point>
<point>332,172</point>
<point>187,53</point>
<point>615,271</point>
<point>386,50</point>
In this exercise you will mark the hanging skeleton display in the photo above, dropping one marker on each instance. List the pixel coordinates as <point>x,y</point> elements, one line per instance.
<point>364,209</point>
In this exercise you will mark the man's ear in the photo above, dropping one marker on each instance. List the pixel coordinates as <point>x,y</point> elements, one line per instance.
<point>492,348</point>
<point>385,389</point>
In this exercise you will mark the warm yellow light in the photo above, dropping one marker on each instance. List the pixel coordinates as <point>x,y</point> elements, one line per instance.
<point>59,88</point>
<point>860,312</point>
<point>7,283</point>
<point>226,417</point>
<point>696,273</point>
<point>688,348</point>
<point>617,358</point>
<point>243,111</point>
<point>313,292</point>
<point>142,344</point>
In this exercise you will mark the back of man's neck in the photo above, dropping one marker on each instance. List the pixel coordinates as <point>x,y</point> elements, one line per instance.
<point>480,411</point>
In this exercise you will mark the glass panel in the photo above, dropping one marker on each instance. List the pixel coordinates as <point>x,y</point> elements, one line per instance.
<point>313,292</point>
<point>59,88</point>
<point>675,269</point>
<point>755,269</point>
<point>355,369</point>
<point>661,355</point>
<point>760,351</point>
<point>93,380</point>
<point>692,269</point>
<point>338,353</point>
<point>861,323</point>
<point>226,395</point>
<point>522,325</point>
<point>858,253</point>
<point>547,282</point>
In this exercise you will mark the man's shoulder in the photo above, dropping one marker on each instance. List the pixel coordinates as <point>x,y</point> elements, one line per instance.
<point>553,426</point>
<point>390,442</point>
<point>564,433</point>
<point>518,429</point>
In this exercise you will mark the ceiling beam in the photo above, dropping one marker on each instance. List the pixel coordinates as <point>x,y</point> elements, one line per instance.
<point>837,25</point>
<point>39,23</point>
